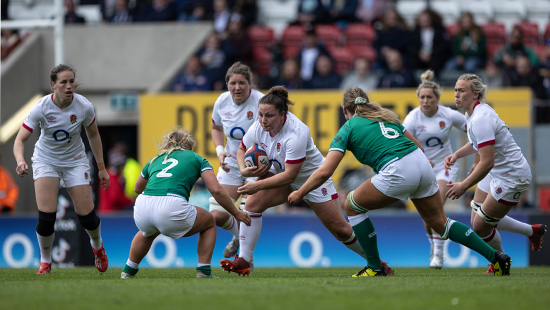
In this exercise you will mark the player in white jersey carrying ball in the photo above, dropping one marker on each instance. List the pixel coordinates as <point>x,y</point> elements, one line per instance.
<point>502,173</point>
<point>431,125</point>
<point>294,157</point>
<point>234,112</point>
<point>58,155</point>
<point>162,206</point>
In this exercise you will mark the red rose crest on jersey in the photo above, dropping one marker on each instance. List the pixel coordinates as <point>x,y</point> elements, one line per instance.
<point>86,175</point>
<point>249,115</point>
<point>442,125</point>
<point>499,190</point>
<point>324,191</point>
<point>73,119</point>
<point>278,147</point>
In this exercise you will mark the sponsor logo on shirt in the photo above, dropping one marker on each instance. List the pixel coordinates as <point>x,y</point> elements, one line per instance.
<point>249,115</point>
<point>73,119</point>
<point>228,115</point>
<point>51,119</point>
<point>264,145</point>
<point>421,128</point>
<point>442,125</point>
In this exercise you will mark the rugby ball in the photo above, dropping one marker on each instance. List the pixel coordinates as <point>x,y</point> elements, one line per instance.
<point>256,156</point>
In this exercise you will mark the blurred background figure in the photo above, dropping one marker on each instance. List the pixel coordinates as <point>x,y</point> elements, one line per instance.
<point>469,46</point>
<point>430,45</point>
<point>524,74</point>
<point>114,198</point>
<point>193,78</point>
<point>158,11</point>
<point>239,40</point>
<point>248,9</point>
<point>311,12</point>
<point>491,75</point>
<point>311,49</point>
<point>342,12</point>
<point>9,192</point>
<point>70,14</point>
<point>221,16</point>
<point>122,13</point>
<point>396,75</point>
<point>361,76</point>
<point>506,56</point>
<point>10,40</point>
<point>290,75</point>
<point>392,34</point>
<point>371,11</point>
<point>324,77</point>
<point>214,57</point>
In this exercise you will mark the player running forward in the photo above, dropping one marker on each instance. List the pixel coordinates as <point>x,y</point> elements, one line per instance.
<point>503,172</point>
<point>294,157</point>
<point>376,138</point>
<point>59,155</point>
<point>234,112</point>
<point>163,208</point>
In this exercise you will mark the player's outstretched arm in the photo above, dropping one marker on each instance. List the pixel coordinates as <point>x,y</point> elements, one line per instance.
<point>18,151</point>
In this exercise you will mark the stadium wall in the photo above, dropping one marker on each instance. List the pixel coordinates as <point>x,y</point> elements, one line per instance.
<point>286,241</point>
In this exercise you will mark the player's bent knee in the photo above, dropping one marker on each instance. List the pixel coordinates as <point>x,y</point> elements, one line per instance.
<point>353,205</point>
<point>491,220</point>
<point>89,221</point>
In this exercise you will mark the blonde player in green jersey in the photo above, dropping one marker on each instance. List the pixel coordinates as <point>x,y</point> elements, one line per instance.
<point>376,138</point>
<point>162,206</point>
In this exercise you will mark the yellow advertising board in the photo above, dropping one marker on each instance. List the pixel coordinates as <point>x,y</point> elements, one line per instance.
<point>320,110</point>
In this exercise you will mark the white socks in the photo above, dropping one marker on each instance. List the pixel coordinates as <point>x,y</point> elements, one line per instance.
<point>508,224</point>
<point>249,236</point>
<point>95,237</point>
<point>231,226</point>
<point>45,245</point>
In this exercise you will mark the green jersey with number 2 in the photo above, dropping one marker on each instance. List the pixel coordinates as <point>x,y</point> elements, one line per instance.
<point>175,176</point>
<point>372,143</point>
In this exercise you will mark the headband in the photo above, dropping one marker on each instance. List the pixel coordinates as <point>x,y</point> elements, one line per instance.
<point>361,100</point>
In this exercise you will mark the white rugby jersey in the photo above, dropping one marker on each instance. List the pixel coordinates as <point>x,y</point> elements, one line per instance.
<point>60,143</point>
<point>433,132</point>
<point>235,119</point>
<point>485,128</point>
<point>292,145</point>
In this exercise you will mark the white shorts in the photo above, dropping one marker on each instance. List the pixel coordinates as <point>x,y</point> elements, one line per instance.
<point>409,177</point>
<point>233,177</point>
<point>449,176</point>
<point>172,216</point>
<point>323,193</point>
<point>505,190</point>
<point>71,176</point>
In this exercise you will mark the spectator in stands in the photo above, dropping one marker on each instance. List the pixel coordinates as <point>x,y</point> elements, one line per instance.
<point>430,45</point>
<point>194,10</point>
<point>114,199</point>
<point>158,11</point>
<point>248,9</point>
<point>492,76</point>
<point>324,76</point>
<point>311,12</point>
<point>71,17</point>
<point>9,192</point>
<point>290,75</point>
<point>361,76</point>
<point>221,15</point>
<point>193,78</point>
<point>307,56</point>
<point>237,37</point>
<point>122,13</point>
<point>214,57</point>
<point>506,56</point>
<point>544,68</point>
<point>393,35</point>
<point>525,75</point>
<point>469,46</point>
<point>342,12</point>
<point>10,39</point>
<point>4,10</point>
<point>260,81</point>
<point>397,75</point>
<point>371,11</point>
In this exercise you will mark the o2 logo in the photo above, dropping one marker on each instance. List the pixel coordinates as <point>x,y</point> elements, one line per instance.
<point>237,133</point>
<point>169,258</point>
<point>433,142</point>
<point>14,255</point>
<point>62,135</point>
<point>315,258</point>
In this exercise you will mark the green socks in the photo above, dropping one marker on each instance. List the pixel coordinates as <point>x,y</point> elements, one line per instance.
<point>366,235</point>
<point>466,236</point>
<point>129,270</point>
<point>205,269</point>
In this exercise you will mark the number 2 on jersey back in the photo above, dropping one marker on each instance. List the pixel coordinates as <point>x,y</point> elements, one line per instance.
<point>164,172</point>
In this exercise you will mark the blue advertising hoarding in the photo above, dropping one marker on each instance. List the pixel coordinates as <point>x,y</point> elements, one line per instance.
<point>285,241</point>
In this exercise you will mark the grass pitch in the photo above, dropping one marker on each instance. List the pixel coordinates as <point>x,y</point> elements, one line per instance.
<point>275,288</point>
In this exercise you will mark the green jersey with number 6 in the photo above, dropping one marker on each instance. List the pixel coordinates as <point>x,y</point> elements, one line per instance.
<point>176,176</point>
<point>372,143</point>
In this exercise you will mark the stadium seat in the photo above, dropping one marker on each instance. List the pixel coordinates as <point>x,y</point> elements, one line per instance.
<point>481,9</point>
<point>329,34</point>
<point>359,33</point>
<point>539,49</point>
<point>343,59</point>
<point>262,58</point>
<point>492,47</point>
<point>452,29</point>
<point>290,51</point>
<point>261,35</point>
<point>495,32</point>
<point>293,35</point>
<point>546,35</point>
<point>362,51</point>
<point>509,12</point>
<point>530,31</point>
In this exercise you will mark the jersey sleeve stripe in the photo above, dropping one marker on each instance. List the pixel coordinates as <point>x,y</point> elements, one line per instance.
<point>485,143</point>
<point>508,203</point>
<point>295,161</point>
<point>27,127</point>
<point>206,168</point>
<point>244,146</point>
<point>92,122</point>
<point>337,149</point>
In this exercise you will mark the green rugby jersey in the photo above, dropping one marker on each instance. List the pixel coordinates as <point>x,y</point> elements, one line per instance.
<point>176,176</point>
<point>374,144</point>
